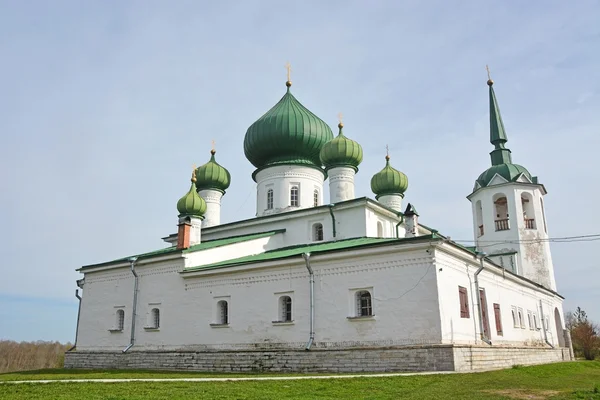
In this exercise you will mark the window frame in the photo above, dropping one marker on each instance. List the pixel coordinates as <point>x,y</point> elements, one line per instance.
<point>521,318</point>
<point>120,319</point>
<point>295,195</point>
<point>498,319</point>
<point>154,318</point>
<point>515,317</point>
<point>463,299</point>
<point>317,232</point>
<point>316,198</point>
<point>222,312</point>
<point>270,198</point>
<point>364,303</point>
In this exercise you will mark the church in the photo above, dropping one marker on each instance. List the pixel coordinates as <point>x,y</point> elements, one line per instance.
<point>343,284</point>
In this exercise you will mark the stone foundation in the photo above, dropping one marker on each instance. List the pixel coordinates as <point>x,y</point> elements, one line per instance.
<point>417,358</point>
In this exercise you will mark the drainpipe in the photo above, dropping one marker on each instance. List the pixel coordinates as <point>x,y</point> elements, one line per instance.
<point>132,260</point>
<point>78,314</point>
<point>398,226</point>
<point>544,327</point>
<point>311,339</point>
<point>332,219</point>
<point>481,257</point>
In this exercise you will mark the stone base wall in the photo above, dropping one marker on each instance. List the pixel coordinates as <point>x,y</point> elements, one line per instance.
<point>418,358</point>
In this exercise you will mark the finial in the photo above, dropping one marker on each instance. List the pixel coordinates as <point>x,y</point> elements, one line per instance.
<point>340,117</point>
<point>490,82</point>
<point>212,150</point>
<point>288,66</point>
<point>194,173</point>
<point>387,153</point>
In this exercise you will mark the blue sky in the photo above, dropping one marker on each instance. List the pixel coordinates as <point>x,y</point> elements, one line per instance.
<point>105,106</point>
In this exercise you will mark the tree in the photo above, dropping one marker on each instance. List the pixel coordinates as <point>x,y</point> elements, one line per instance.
<point>585,334</point>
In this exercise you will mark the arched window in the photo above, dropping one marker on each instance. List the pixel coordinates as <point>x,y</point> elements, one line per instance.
<point>543,215</point>
<point>379,229</point>
<point>317,232</point>
<point>294,196</point>
<point>316,198</point>
<point>120,320</point>
<point>530,320</point>
<point>515,320</point>
<point>155,318</point>
<point>521,322</point>
<point>528,211</point>
<point>222,312</point>
<point>270,199</point>
<point>479,218</point>
<point>285,309</point>
<point>501,212</point>
<point>364,306</point>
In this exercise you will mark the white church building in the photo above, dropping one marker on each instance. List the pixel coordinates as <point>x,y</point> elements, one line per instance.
<point>341,284</point>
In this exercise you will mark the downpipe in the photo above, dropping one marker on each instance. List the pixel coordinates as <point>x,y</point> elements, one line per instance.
<point>78,314</point>
<point>398,226</point>
<point>311,339</point>
<point>132,260</point>
<point>481,257</point>
<point>332,221</point>
<point>544,327</point>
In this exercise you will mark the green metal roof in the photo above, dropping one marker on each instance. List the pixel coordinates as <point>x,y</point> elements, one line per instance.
<point>310,248</point>
<point>209,244</point>
<point>212,175</point>
<point>191,204</point>
<point>287,134</point>
<point>342,152</point>
<point>510,172</point>
<point>389,181</point>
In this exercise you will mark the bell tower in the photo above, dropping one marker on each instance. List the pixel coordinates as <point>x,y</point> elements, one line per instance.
<point>509,219</point>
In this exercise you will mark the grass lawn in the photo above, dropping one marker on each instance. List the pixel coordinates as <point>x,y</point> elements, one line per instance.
<point>574,380</point>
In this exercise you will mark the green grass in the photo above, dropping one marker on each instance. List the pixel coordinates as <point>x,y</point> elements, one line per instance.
<point>574,380</point>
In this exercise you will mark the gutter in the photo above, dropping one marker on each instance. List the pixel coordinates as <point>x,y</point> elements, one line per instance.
<point>332,219</point>
<point>398,226</point>
<point>544,327</point>
<point>311,338</point>
<point>481,257</point>
<point>78,314</point>
<point>132,260</point>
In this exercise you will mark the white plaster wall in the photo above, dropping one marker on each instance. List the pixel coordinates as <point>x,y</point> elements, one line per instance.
<point>453,272</point>
<point>393,201</point>
<point>281,178</point>
<point>341,184</point>
<point>213,207</point>
<point>402,283</point>
<point>534,260</point>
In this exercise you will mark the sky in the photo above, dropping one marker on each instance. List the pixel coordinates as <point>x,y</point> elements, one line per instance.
<point>106,105</point>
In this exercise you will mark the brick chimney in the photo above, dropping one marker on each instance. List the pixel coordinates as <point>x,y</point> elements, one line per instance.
<point>183,233</point>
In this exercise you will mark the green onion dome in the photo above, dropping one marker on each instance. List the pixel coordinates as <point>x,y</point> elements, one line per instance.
<point>341,152</point>
<point>191,204</point>
<point>510,172</point>
<point>212,175</point>
<point>389,181</point>
<point>287,134</point>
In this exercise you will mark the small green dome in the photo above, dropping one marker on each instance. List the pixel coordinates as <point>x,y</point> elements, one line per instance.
<point>341,152</point>
<point>287,134</point>
<point>191,204</point>
<point>389,181</point>
<point>510,172</point>
<point>212,175</point>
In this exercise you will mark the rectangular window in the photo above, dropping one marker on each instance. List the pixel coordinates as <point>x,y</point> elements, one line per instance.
<point>464,302</point>
<point>294,196</point>
<point>270,199</point>
<point>498,316</point>
<point>363,304</point>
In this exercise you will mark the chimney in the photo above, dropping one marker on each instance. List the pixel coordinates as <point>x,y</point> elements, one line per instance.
<point>411,221</point>
<point>183,233</point>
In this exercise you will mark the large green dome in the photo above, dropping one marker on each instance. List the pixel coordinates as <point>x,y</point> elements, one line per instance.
<point>341,152</point>
<point>389,181</point>
<point>510,172</point>
<point>287,134</point>
<point>191,204</point>
<point>212,175</point>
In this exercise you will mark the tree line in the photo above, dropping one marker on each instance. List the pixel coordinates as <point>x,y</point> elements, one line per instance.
<point>21,356</point>
<point>585,334</point>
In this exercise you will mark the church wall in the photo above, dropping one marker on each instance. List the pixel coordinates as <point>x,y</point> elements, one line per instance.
<point>402,284</point>
<point>501,290</point>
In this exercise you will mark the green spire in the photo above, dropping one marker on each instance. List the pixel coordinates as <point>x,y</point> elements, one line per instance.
<point>500,154</point>
<point>191,204</point>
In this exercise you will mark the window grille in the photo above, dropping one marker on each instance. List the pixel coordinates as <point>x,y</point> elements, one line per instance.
<point>285,306</point>
<point>223,312</point>
<point>364,306</point>
<point>155,314</point>
<point>294,200</point>
<point>120,320</point>
<point>270,199</point>
<point>318,232</point>
<point>316,198</point>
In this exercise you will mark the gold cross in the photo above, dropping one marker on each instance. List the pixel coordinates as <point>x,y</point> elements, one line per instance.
<point>288,66</point>
<point>212,142</point>
<point>387,151</point>
<point>340,117</point>
<point>488,71</point>
<point>194,173</point>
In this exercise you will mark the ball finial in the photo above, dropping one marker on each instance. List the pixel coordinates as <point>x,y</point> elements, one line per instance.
<point>490,82</point>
